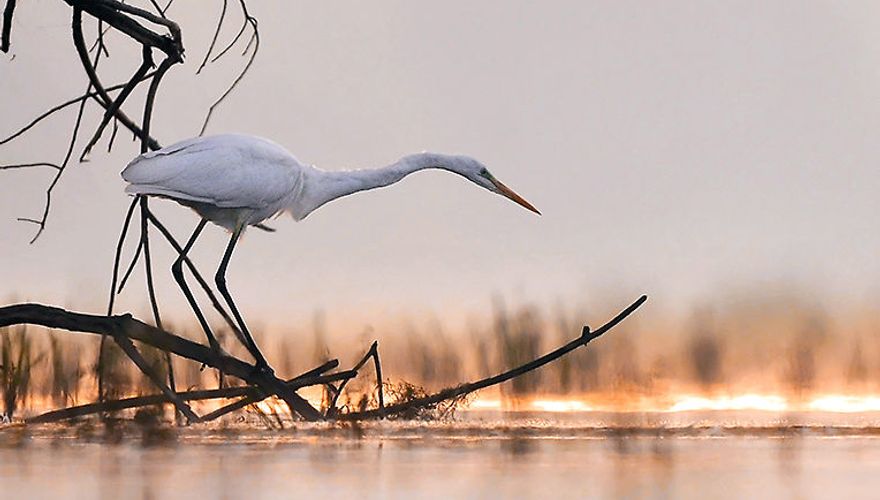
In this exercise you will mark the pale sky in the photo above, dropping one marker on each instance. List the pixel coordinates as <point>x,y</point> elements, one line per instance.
<point>675,148</point>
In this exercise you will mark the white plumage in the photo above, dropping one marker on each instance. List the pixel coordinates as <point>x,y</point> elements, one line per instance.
<point>248,178</point>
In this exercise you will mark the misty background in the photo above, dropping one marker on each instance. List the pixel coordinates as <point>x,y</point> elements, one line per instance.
<point>686,150</point>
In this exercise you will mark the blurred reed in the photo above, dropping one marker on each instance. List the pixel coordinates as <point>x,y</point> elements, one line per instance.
<point>775,345</point>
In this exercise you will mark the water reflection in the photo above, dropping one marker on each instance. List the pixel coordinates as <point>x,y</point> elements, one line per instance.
<point>485,460</point>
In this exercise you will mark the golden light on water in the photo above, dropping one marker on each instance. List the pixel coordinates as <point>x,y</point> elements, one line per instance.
<point>840,403</point>
<point>774,403</point>
<point>755,402</point>
<point>669,404</point>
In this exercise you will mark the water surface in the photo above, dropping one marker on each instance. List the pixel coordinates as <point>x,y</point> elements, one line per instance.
<point>484,456</point>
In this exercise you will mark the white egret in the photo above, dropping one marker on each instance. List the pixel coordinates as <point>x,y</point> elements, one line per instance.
<point>237,181</point>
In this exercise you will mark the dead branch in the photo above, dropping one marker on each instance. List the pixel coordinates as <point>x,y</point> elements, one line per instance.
<point>102,97</point>
<point>467,388</point>
<point>261,384</point>
<point>249,393</point>
<point>63,105</point>
<point>29,165</point>
<point>7,25</point>
<point>113,13</point>
<point>125,18</point>
<point>110,112</point>
<point>257,396</point>
<point>254,42</point>
<point>372,353</point>
<point>125,325</point>
<point>132,352</point>
<point>214,38</point>
<point>112,299</point>
<point>41,222</point>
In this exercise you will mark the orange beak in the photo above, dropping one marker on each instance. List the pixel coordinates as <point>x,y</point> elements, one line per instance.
<point>509,193</point>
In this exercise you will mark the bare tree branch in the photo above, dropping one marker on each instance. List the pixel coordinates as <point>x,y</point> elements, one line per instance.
<point>53,317</point>
<point>214,38</point>
<point>111,12</point>
<point>145,367</point>
<point>29,165</point>
<point>372,353</point>
<point>41,222</point>
<point>129,328</point>
<point>146,64</point>
<point>64,105</point>
<point>102,97</point>
<point>112,299</point>
<point>255,41</point>
<point>467,388</point>
<point>7,25</point>
<point>250,393</point>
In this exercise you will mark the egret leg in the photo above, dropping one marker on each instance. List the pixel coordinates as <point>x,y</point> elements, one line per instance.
<point>220,280</point>
<point>195,272</point>
<point>177,271</point>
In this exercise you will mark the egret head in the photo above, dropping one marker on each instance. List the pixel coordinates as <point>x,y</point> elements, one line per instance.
<point>476,172</point>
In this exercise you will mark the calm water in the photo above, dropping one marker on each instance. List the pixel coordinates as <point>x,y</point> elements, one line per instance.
<point>530,456</point>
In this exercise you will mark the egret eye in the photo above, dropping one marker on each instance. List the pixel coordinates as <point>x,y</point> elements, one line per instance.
<point>484,172</point>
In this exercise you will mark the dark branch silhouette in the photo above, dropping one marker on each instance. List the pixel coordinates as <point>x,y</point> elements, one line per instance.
<point>7,25</point>
<point>464,389</point>
<point>160,33</point>
<point>264,384</point>
<point>254,42</point>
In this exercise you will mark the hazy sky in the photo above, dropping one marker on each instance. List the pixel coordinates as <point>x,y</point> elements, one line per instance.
<point>675,148</point>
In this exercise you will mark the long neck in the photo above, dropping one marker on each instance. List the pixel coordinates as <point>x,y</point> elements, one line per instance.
<point>323,186</point>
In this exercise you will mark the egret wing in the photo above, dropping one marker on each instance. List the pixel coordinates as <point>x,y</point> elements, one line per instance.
<point>225,170</point>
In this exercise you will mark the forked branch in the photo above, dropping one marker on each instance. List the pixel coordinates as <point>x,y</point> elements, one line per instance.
<point>125,325</point>
<point>262,385</point>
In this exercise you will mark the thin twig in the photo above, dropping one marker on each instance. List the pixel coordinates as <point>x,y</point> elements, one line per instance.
<point>99,39</point>
<point>372,352</point>
<point>41,222</point>
<point>64,105</point>
<point>257,396</point>
<point>154,305</point>
<point>157,399</point>
<point>255,40</point>
<point>112,298</point>
<point>214,38</point>
<point>150,100</point>
<point>29,165</point>
<point>173,28</point>
<point>146,64</point>
<point>102,97</point>
<point>130,268</point>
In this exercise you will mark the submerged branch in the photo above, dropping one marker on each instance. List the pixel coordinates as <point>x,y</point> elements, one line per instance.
<point>250,393</point>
